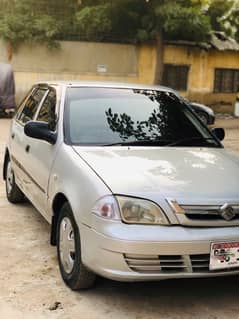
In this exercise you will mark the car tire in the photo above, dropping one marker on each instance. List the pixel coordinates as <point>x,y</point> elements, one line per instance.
<point>13,192</point>
<point>74,273</point>
<point>204,117</point>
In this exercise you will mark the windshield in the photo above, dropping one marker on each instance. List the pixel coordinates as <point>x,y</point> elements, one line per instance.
<point>108,116</point>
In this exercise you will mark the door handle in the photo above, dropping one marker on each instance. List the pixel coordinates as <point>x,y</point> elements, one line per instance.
<point>27,148</point>
<point>13,135</point>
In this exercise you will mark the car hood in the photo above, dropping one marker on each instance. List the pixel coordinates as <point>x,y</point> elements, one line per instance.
<point>190,175</point>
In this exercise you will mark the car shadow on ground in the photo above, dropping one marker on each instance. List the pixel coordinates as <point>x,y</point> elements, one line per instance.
<point>178,298</point>
<point>173,287</point>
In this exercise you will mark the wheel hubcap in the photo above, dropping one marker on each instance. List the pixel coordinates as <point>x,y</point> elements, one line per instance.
<point>67,245</point>
<point>10,178</point>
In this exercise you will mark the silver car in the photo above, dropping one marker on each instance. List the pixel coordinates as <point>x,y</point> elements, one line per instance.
<point>134,185</point>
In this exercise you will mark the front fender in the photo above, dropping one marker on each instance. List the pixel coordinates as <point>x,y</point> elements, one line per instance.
<point>72,177</point>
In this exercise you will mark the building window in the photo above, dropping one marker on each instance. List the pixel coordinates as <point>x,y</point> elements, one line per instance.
<point>176,76</point>
<point>226,80</point>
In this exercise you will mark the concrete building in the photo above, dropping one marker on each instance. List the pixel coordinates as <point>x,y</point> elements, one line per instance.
<point>205,72</point>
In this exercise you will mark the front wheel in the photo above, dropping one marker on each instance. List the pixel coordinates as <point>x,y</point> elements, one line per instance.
<point>14,194</point>
<point>73,272</point>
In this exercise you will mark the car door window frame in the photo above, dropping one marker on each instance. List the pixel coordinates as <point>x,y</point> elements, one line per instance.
<point>22,107</point>
<point>23,102</point>
<point>46,96</point>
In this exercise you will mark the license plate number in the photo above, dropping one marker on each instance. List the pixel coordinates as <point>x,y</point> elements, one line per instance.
<point>224,255</point>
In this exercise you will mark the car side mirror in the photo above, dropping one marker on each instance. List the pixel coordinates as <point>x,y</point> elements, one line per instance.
<point>219,133</point>
<point>41,131</point>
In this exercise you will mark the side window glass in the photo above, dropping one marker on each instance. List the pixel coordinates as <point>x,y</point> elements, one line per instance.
<point>22,104</point>
<point>31,105</point>
<point>47,111</point>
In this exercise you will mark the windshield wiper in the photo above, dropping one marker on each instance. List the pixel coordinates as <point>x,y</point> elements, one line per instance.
<point>141,142</point>
<point>194,138</point>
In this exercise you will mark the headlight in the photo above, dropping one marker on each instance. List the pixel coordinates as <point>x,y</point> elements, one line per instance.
<point>107,207</point>
<point>130,210</point>
<point>139,211</point>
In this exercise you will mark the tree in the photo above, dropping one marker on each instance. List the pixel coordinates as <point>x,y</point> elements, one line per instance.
<point>155,20</point>
<point>117,20</point>
<point>141,20</point>
<point>36,21</point>
<point>97,28</point>
<point>220,14</point>
<point>230,20</point>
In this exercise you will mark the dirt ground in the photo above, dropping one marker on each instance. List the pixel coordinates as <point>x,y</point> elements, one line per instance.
<point>31,286</point>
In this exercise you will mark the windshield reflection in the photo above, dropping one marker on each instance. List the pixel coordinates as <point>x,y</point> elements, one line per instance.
<point>157,124</point>
<point>106,116</point>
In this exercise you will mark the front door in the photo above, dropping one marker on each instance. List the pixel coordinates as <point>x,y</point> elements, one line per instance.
<point>18,140</point>
<point>40,155</point>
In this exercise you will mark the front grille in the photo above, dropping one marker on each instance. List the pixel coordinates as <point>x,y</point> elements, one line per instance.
<point>154,263</point>
<point>174,263</point>
<point>200,263</point>
<point>207,216</point>
<point>171,264</point>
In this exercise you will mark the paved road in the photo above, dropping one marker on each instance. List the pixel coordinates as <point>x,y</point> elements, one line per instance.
<point>30,283</point>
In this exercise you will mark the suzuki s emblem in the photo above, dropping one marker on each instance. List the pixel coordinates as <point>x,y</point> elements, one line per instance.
<point>227,212</point>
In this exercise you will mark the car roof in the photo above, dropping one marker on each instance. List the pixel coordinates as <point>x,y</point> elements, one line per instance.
<point>104,84</point>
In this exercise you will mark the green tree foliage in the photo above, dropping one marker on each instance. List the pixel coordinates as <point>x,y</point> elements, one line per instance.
<point>224,16</point>
<point>96,28</point>
<point>184,22</point>
<point>141,20</point>
<point>217,12</point>
<point>231,21</point>
<point>115,20</point>
<point>36,21</point>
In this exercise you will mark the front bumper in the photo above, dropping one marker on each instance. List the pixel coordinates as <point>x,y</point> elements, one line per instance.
<point>160,253</point>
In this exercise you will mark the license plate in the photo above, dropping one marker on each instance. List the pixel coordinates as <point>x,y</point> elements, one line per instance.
<point>224,255</point>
